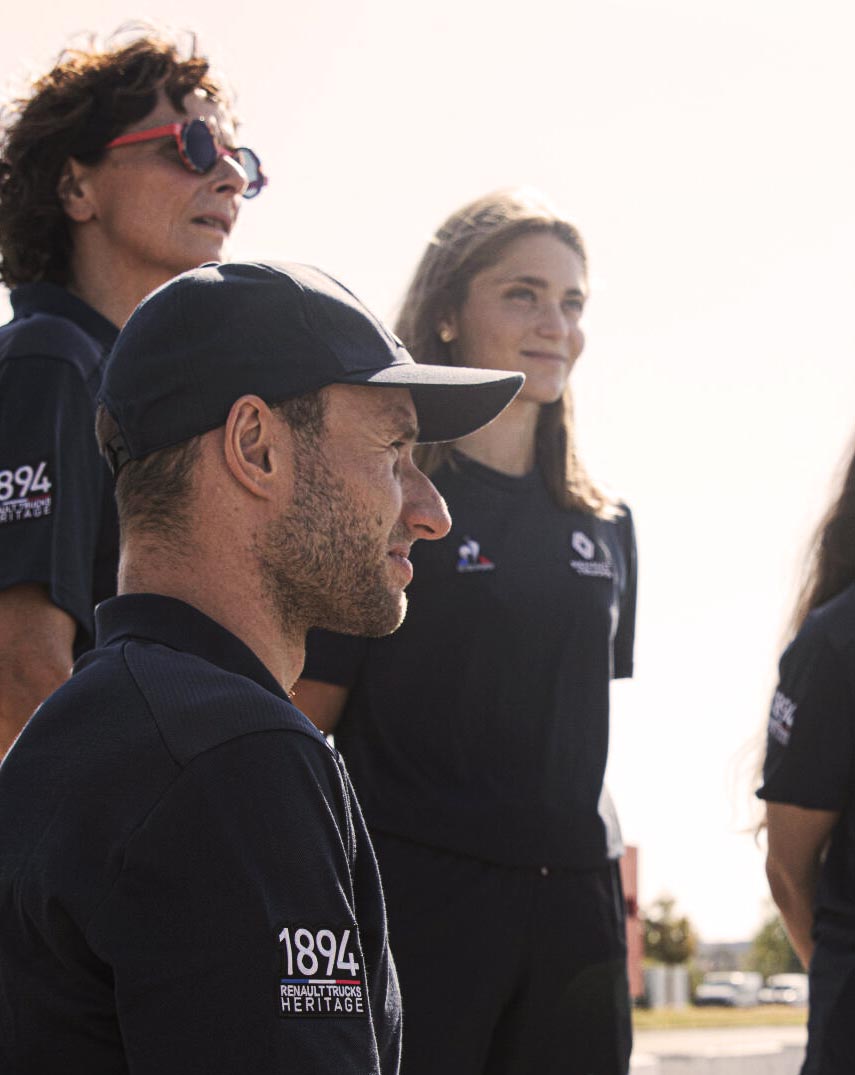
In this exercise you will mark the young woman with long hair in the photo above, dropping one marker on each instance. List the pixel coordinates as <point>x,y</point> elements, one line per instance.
<point>809,786</point>
<point>477,734</point>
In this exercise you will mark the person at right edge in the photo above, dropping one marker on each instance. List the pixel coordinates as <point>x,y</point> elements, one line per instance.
<point>477,735</point>
<point>808,788</point>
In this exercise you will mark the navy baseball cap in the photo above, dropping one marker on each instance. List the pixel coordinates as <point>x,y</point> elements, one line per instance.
<point>216,333</point>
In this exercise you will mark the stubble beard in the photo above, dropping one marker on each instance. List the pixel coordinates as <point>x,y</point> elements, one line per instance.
<point>322,563</point>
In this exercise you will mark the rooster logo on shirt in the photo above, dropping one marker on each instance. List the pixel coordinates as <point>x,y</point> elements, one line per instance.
<point>469,558</point>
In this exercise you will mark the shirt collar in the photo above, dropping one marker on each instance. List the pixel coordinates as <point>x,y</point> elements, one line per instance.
<point>170,622</point>
<point>512,483</point>
<point>44,298</point>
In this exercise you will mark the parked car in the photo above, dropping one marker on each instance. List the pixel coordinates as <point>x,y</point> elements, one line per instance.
<point>735,989</point>
<point>784,989</point>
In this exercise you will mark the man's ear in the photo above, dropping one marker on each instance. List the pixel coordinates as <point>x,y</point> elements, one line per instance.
<point>74,193</point>
<point>258,448</point>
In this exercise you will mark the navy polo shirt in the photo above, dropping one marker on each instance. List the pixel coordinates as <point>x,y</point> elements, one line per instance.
<point>186,882</point>
<point>57,517</point>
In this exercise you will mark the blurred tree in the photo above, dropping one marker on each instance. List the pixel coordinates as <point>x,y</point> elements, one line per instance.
<point>771,951</point>
<point>667,937</point>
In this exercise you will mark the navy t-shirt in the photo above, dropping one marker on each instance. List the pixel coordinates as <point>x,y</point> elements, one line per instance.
<point>58,521</point>
<point>481,726</point>
<point>186,881</point>
<point>810,752</point>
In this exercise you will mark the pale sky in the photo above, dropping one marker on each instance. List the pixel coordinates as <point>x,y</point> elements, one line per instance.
<point>706,151</point>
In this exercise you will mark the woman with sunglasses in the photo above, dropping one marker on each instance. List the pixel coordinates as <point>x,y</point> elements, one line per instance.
<point>477,734</point>
<point>116,173</point>
<point>808,788</point>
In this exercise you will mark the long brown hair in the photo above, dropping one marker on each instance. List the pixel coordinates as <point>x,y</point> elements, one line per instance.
<point>471,240</point>
<point>831,562</point>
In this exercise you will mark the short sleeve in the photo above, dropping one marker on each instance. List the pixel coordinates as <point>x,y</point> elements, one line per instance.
<point>624,642</point>
<point>334,658</point>
<point>51,482</point>
<point>232,931</point>
<point>809,738</point>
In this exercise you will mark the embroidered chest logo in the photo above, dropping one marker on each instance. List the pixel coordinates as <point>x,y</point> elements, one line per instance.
<point>587,562</point>
<point>320,975</point>
<point>781,718</point>
<point>25,493</point>
<point>469,558</point>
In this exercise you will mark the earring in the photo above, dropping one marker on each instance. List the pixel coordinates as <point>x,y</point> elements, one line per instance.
<point>446,334</point>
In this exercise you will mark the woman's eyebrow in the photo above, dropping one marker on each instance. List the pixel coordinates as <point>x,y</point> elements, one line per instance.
<point>538,281</point>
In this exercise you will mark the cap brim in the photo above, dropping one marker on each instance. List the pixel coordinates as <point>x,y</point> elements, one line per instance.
<point>450,401</point>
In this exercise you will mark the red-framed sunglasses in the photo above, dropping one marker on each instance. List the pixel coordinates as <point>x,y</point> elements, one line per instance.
<point>199,150</point>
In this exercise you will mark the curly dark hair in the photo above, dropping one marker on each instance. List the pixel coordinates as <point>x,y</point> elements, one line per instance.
<point>89,97</point>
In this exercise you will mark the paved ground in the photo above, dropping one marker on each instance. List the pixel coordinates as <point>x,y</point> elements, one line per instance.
<point>713,1042</point>
<point>742,1050</point>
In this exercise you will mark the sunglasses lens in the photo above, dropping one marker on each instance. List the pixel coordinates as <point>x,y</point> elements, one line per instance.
<point>199,146</point>
<point>252,166</point>
<point>201,153</point>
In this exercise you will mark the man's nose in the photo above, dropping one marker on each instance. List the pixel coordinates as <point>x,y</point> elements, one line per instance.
<point>424,513</point>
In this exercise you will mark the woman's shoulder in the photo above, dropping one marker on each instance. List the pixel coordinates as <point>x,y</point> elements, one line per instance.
<point>828,628</point>
<point>837,612</point>
<point>617,517</point>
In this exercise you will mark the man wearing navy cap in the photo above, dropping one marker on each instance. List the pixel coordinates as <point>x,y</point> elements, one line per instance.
<point>186,882</point>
